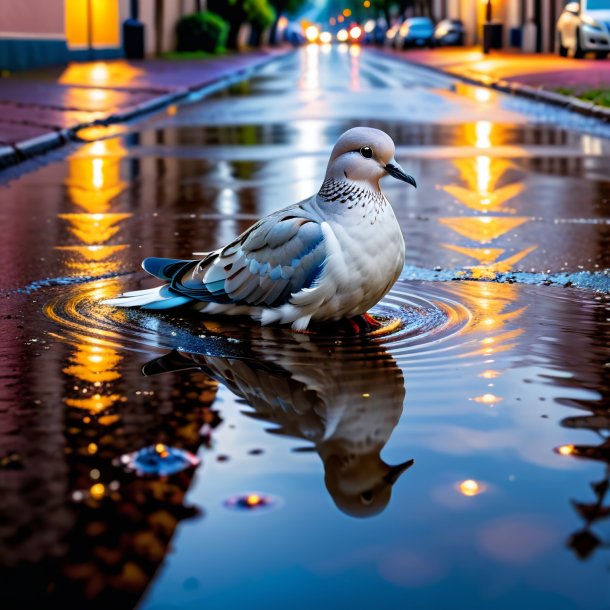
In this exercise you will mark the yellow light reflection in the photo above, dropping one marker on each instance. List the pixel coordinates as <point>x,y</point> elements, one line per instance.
<point>470,487</point>
<point>488,399</point>
<point>482,172</point>
<point>253,500</point>
<point>502,266</point>
<point>93,254</point>
<point>94,228</point>
<point>94,404</point>
<point>483,229</point>
<point>97,491</point>
<point>489,374</point>
<point>115,73</point>
<point>484,256</point>
<point>97,132</point>
<point>482,95</point>
<point>311,75</point>
<point>94,175</point>
<point>483,134</point>
<point>94,364</point>
<point>566,449</point>
<point>482,200</point>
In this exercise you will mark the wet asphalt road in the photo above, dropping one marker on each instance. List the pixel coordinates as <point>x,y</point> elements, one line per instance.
<point>497,387</point>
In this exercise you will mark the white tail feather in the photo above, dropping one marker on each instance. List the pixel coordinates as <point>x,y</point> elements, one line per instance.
<point>137,298</point>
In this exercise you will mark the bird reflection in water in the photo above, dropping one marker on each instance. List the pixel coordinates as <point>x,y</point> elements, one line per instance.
<point>343,396</point>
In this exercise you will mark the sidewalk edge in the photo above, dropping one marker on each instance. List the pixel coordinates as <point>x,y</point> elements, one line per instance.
<point>539,94</point>
<point>14,154</point>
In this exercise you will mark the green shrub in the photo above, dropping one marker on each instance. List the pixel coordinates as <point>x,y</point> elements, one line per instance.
<point>205,31</point>
<point>260,13</point>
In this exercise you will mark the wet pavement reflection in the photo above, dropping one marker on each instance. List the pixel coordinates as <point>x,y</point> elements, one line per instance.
<point>458,454</point>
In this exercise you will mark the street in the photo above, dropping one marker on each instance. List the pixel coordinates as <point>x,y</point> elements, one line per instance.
<point>490,370</point>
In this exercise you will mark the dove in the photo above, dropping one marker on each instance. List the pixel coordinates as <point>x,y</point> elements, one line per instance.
<point>332,256</point>
<point>344,411</point>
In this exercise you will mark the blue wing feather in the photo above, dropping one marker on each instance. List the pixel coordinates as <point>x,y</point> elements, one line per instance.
<point>277,257</point>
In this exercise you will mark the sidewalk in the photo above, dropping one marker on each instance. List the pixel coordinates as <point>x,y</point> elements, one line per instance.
<point>41,110</point>
<point>532,75</point>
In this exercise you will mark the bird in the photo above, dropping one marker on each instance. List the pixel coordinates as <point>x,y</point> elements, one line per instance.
<point>330,257</point>
<point>344,411</point>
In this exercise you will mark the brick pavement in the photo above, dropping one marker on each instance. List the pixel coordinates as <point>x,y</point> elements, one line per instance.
<point>44,109</point>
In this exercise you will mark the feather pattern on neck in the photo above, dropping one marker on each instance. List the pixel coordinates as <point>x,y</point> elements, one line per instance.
<point>351,194</point>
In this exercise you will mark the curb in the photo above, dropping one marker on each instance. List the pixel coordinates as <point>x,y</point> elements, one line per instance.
<point>22,151</point>
<point>567,102</point>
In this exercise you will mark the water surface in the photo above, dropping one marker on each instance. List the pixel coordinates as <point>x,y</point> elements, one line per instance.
<point>490,372</point>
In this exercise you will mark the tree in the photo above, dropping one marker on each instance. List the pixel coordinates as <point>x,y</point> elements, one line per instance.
<point>260,13</point>
<point>284,8</point>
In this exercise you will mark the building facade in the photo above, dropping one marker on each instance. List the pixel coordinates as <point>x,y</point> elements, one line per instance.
<point>37,33</point>
<point>540,16</point>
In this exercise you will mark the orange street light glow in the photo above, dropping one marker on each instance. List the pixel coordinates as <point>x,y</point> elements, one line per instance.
<point>253,500</point>
<point>347,13</point>
<point>566,449</point>
<point>487,399</point>
<point>97,491</point>
<point>161,450</point>
<point>312,33</point>
<point>342,35</point>
<point>99,73</point>
<point>470,487</point>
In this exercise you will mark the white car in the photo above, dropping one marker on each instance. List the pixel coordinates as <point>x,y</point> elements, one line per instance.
<point>584,27</point>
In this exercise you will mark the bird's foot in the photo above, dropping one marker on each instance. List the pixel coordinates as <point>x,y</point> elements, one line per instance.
<point>358,325</point>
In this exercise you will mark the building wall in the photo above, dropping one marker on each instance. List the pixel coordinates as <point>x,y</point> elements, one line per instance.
<point>27,42</point>
<point>16,17</point>
<point>172,11</point>
<point>511,13</point>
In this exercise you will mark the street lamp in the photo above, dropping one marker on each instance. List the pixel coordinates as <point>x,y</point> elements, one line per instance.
<point>492,32</point>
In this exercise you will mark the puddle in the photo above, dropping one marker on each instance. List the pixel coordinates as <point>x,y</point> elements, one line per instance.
<point>457,453</point>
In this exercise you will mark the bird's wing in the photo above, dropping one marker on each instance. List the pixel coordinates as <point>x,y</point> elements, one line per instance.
<point>278,256</point>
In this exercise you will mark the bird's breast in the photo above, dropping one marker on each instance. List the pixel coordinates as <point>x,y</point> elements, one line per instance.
<point>365,260</point>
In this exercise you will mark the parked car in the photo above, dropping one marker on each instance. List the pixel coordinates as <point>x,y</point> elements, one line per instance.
<point>449,32</point>
<point>583,27</point>
<point>415,32</point>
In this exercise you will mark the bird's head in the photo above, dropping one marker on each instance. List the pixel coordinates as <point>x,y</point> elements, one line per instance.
<point>361,485</point>
<point>364,154</point>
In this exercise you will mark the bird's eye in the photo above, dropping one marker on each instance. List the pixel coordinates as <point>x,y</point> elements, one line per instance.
<point>366,152</point>
<point>367,496</point>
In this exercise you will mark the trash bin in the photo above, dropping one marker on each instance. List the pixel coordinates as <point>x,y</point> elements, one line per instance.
<point>515,37</point>
<point>492,36</point>
<point>133,39</point>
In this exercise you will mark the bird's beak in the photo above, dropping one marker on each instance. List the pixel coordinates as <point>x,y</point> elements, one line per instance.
<point>397,172</point>
<point>395,471</point>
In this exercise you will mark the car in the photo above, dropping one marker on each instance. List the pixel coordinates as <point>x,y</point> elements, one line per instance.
<point>583,27</point>
<point>449,32</point>
<point>415,32</point>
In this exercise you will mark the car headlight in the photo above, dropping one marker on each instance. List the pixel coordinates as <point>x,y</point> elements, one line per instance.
<point>589,21</point>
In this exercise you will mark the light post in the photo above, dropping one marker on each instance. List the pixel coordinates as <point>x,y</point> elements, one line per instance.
<point>487,27</point>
